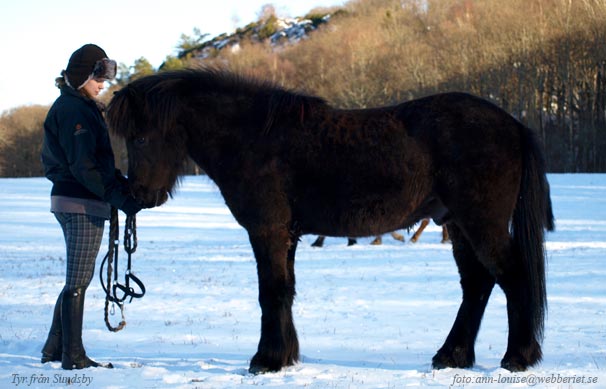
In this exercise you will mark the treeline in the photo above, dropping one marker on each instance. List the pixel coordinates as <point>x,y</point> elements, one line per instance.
<point>544,61</point>
<point>21,141</point>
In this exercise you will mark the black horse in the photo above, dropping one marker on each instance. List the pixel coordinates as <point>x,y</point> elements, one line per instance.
<point>289,164</point>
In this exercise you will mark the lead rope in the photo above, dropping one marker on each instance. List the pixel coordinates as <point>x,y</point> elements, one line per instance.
<point>112,286</point>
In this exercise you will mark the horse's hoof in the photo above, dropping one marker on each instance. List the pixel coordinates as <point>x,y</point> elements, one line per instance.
<point>513,366</point>
<point>439,364</point>
<point>398,237</point>
<point>457,358</point>
<point>258,370</point>
<point>523,358</point>
<point>262,365</point>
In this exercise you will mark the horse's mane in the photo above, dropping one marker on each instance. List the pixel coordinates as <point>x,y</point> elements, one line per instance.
<point>160,96</point>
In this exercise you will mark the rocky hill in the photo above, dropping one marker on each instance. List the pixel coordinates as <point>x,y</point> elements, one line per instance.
<point>279,32</point>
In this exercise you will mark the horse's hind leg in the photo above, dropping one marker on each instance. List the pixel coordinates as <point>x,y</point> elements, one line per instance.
<point>319,242</point>
<point>477,284</point>
<point>505,263</point>
<point>525,330</point>
<point>419,231</point>
<point>279,346</point>
<point>495,250</point>
<point>445,237</point>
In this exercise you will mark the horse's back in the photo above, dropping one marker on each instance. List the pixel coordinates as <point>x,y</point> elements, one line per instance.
<point>387,168</point>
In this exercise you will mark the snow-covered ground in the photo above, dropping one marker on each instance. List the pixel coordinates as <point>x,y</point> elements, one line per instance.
<point>367,316</point>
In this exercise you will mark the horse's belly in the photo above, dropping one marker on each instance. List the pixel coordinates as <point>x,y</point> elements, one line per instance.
<point>357,217</point>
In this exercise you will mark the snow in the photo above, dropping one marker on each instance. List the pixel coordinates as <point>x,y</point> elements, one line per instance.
<point>367,316</point>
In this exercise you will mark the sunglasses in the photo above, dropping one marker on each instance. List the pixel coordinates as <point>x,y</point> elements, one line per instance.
<point>105,69</point>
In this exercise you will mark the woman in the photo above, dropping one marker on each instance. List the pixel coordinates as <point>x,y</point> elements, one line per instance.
<point>78,159</point>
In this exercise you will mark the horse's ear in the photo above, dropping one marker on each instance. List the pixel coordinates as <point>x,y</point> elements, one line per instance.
<point>135,97</point>
<point>121,111</point>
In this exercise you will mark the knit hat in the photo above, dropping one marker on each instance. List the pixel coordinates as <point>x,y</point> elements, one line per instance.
<point>86,60</point>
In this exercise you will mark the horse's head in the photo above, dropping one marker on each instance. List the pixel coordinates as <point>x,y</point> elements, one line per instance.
<point>152,168</point>
<point>156,149</point>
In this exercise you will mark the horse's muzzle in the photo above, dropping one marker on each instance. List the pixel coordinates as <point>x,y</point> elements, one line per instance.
<point>151,199</point>
<point>161,197</point>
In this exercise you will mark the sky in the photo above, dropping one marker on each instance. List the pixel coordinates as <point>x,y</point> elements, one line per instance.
<point>37,37</point>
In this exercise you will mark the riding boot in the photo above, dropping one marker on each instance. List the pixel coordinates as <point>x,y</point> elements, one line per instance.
<point>72,310</point>
<point>52,350</point>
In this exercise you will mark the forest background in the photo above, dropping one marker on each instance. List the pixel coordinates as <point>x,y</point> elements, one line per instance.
<point>544,61</point>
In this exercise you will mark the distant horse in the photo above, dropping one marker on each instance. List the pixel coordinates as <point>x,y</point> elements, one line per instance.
<point>424,224</point>
<point>378,240</point>
<point>289,164</point>
<point>416,235</point>
<point>319,242</point>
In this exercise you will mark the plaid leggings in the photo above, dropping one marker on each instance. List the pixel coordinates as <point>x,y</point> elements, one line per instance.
<point>83,235</point>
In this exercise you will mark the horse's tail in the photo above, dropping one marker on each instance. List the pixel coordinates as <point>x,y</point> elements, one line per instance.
<point>533,215</point>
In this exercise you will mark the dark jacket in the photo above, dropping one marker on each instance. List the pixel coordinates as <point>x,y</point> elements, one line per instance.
<point>77,153</point>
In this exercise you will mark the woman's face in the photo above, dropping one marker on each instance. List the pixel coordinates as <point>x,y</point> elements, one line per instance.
<point>93,87</point>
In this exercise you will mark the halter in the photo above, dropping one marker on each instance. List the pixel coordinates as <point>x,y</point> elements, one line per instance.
<point>115,292</point>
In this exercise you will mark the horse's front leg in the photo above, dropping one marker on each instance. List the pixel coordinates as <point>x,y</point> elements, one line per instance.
<point>275,253</point>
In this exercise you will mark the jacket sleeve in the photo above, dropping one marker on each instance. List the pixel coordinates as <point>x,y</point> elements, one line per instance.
<point>84,139</point>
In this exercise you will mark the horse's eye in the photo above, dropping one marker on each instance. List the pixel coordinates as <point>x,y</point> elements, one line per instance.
<point>141,141</point>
